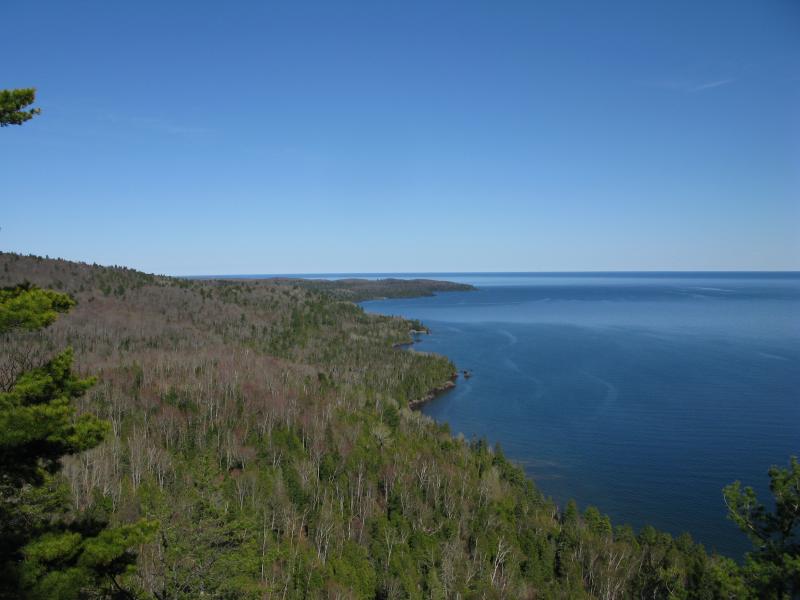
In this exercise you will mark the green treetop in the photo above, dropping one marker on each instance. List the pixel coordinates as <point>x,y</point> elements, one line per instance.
<point>774,566</point>
<point>12,105</point>
<point>28,307</point>
<point>38,424</point>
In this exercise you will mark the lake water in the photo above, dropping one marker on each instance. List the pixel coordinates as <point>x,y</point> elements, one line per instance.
<point>643,394</point>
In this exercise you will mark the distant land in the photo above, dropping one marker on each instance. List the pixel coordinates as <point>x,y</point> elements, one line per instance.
<point>356,289</point>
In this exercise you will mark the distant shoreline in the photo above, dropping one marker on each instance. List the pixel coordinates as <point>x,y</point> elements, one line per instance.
<point>444,275</point>
<point>434,392</point>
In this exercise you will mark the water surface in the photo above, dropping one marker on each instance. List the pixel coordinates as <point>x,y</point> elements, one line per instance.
<point>643,394</point>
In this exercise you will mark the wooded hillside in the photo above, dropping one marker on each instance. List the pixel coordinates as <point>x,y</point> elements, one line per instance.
<point>266,428</point>
<point>357,290</point>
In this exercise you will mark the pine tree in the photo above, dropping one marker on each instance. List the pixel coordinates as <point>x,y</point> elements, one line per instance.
<point>45,551</point>
<point>773,568</point>
<point>12,105</point>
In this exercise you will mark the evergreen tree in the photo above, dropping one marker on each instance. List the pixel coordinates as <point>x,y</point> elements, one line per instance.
<point>12,106</point>
<point>44,551</point>
<point>28,307</point>
<point>774,566</point>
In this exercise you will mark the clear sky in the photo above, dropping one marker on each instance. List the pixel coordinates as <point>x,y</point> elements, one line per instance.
<point>257,137</point>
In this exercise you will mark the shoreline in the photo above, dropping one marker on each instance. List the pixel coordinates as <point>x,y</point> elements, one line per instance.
<point>434,392</point>
<point>408,346</point>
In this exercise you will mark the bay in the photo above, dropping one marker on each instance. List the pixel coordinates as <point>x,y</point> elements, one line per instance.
<point>640,393</point>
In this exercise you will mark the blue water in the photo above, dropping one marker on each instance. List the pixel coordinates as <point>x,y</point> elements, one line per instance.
<point>643,394</point>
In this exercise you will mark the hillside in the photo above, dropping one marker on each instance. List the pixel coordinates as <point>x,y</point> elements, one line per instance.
<point>266,426</point>
<point>357,290</point>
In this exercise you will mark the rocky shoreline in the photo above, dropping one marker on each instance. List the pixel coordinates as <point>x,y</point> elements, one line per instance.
<point>447,385</point>
<point>438,390</point>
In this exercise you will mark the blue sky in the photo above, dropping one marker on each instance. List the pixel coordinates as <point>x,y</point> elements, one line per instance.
<point>256,137</point>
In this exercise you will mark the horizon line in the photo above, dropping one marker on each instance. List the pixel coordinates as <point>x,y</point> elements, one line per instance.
<point>405,273</point>
<point>553,272</point>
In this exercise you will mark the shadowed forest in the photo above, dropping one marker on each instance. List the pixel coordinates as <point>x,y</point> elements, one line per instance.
<point>264,428</point>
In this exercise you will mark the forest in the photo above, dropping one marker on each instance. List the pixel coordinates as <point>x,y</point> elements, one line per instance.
<point>357,290</point>
<point>253,439</point>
